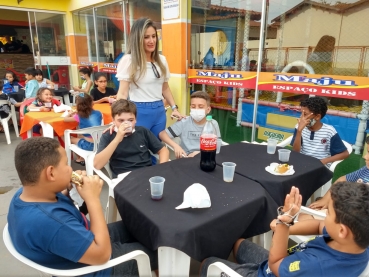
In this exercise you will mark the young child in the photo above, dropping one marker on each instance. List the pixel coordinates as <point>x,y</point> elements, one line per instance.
<point>101,93</point>
<point>46,227</point>
<point>86,116</point>
<point>44,99</point>
<point>12,82</point>
<point>340,250</point>
<point>85,74</point>
<point>43,82</point>
<point>32,84</point>
<point>189,129</point>
<point>5,109</point>
<point>358,176</point>
<point>317,139</point>
<point>127,148</point>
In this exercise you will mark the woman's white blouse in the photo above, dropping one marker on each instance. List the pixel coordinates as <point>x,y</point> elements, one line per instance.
<point>149,88</point>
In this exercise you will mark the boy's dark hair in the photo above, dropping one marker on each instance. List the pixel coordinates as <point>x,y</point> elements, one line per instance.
<point>123,106</point>
<point>84,105</point>
<point>40,91</point>
<point>39,72</point>
<point>30,71</point>
<point>33,155</point>
<point>351,205</point>
<point>201,94</point>
<point>316,105</point>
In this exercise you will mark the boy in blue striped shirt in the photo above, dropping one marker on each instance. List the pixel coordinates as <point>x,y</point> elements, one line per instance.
<point>317,139</point>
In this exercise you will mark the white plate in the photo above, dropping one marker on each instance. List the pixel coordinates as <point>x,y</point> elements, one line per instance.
<point>270,168</point>
<point>35,109</point>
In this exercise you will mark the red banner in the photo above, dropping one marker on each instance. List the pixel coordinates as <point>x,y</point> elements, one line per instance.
<point>349,87</point>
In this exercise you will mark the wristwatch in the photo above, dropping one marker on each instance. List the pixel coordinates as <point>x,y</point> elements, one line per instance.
<point>174,107</point>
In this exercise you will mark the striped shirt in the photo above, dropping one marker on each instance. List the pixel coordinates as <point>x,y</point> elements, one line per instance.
<point>359,176</point>
<point>320,144</point>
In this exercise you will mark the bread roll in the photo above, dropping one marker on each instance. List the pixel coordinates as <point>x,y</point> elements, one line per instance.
<point>76,179</point>
<point>281,168</point>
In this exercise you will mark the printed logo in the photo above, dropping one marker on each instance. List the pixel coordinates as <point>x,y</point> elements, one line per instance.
<point>224,75</point>
<point>194,135</point>
<point>208,143</point>
<point>142,146</point>
<point>324,141</point>
<point>273,135</point>
<point>295,266</point>
<point>324,81</point>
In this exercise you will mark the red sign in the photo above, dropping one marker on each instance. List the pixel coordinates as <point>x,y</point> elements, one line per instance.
<point>349,87</point>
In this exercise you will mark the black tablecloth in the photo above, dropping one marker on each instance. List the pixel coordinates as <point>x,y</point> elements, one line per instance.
<point>251,160</point>
<point>238,209</point>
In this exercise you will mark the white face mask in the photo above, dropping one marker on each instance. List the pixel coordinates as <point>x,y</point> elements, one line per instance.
<point>197,114</point>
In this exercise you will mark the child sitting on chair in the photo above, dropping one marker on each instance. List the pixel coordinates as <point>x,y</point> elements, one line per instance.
<point>189,129</point>
<point>48,229</point>
<point>5,108</point>
<point>87,117</point>
<point>339,250</point>
<point>127,148</point>
<point>31,82</point>
<point>317,139</point>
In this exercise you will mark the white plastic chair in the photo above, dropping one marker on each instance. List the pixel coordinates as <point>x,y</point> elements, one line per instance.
<point>111,211</point>
<point>4,121</point>
<point>143,262</point>
<point>95,133</point>
<point>216,269</point>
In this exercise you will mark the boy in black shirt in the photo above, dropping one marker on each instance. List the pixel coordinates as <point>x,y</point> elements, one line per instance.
<point>128,147</point>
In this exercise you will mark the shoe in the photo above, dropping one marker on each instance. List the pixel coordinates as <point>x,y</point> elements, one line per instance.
<point>80,162</point>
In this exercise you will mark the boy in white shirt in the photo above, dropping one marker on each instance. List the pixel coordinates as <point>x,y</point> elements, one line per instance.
<point>189,129</point>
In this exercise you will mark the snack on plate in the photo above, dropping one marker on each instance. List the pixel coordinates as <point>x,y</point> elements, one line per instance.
<point>76,179</point>
<point>281,168</point>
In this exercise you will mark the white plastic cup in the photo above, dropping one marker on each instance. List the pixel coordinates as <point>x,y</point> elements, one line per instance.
<point>284,155</point>
<point>272,145</point>
<point>157,187</point>
<point>16,88</point>
<point>228,171</point>
<point>56,86</point>
<point>48,104</point>
<point>219,144</point>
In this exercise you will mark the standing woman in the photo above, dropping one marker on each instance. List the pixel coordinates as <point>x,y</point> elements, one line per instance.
<point>85,74</point>
<point>143,74</point>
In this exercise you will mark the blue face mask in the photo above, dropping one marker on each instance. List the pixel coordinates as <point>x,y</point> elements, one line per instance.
<point>83,77</point>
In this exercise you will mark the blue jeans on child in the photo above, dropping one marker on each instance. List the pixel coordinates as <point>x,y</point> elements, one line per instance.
<point>85,145</point>
<point>151,115</point>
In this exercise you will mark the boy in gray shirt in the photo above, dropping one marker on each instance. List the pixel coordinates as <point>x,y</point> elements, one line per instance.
<point>189,129</point>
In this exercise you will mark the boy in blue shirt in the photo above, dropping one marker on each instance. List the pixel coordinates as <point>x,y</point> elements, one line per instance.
<point>358,176</point>
<point>340,250</point>
<point>48,229</point>
<point>32,84</point>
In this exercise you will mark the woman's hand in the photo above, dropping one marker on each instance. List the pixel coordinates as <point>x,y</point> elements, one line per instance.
<point>177,115</point>
<point>76,88</point>
<point>110,129</point>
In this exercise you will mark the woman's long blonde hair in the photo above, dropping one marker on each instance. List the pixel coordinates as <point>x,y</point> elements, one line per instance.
<point>137,50</point>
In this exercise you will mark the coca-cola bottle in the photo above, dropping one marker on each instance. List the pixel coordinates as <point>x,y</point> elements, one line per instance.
<point>208,146</point>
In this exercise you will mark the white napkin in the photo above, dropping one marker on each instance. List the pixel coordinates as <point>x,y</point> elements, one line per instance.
<point>61,108</point>
<point>195,196</point>
<point>73,193</point>
<point>271,169</point>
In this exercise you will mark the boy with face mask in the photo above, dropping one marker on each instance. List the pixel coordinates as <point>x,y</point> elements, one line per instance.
<point>314,138</point>
<point>189,129</point>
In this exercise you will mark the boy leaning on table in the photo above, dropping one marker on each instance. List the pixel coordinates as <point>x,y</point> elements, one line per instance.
<point>47,228</point>
<point>314,138</point>
<point>339,250</point>
<point>189,129</point>
<point>127,148</point>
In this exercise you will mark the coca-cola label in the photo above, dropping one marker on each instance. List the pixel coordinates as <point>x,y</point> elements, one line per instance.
<point>208,143</point>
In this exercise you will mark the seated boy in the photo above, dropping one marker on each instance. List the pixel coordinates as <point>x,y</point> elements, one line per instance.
<point>341,250</point>
<point>189,129</point>
<point>46,227</point>
<point>317,139</point>
<point>358,176</point>
<point>128,147</point>
<point>32,84</point>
